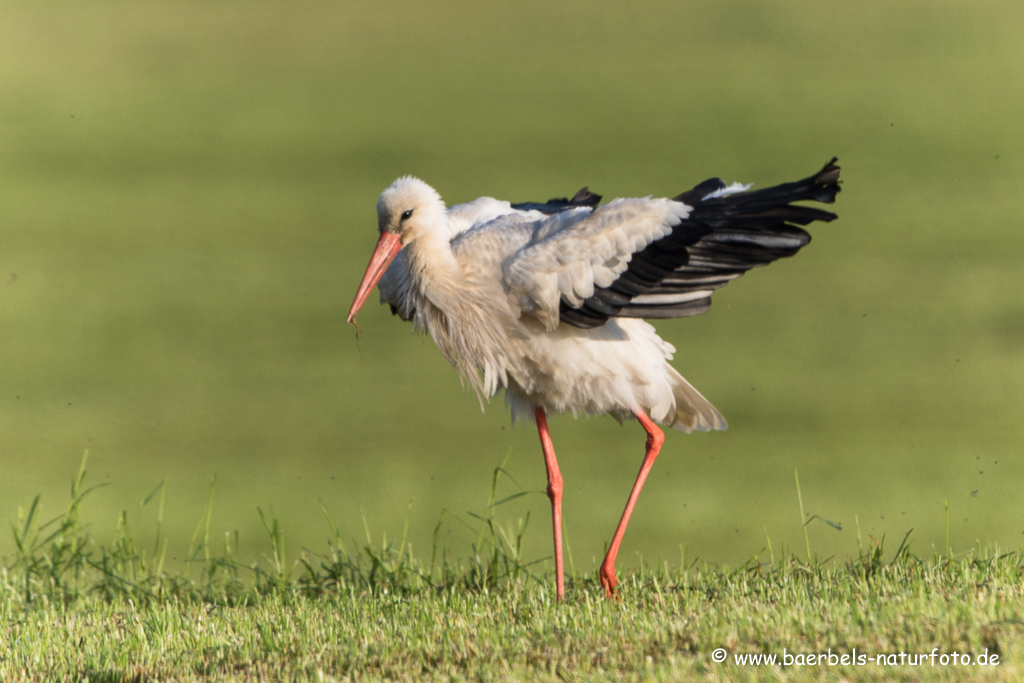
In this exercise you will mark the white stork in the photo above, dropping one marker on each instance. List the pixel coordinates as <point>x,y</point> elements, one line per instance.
<point>547,301</point>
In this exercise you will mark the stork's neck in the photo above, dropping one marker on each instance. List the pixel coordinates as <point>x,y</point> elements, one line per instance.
<point>467,316</point>
<point>434,268</point>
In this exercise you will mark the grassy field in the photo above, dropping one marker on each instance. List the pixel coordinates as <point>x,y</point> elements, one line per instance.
<point>666,627</point>
<point>187,198</point>
<point>72,609</point>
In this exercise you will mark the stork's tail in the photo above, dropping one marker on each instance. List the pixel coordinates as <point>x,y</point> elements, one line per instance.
<point>693,411</point>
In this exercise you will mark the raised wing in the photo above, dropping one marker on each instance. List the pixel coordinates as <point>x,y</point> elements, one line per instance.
<point>728,231</point>
<point>573,253</point>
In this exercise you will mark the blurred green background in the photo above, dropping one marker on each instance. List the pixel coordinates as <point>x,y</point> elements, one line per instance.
<point>187,196</point>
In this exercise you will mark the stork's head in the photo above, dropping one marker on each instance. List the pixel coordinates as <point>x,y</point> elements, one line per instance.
<point>407,209</point>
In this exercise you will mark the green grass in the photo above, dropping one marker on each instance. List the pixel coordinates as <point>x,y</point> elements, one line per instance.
<point>75,609</point>
<point>664,628</point>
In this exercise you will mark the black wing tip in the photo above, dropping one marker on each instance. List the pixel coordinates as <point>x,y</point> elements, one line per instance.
<point>828,179</point>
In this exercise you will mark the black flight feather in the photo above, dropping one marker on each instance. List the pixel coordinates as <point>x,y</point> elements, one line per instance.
<point>552,206</point>
<point>722,238</point>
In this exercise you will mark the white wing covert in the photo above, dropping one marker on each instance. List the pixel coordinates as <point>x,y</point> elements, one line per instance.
<point>572,252</point>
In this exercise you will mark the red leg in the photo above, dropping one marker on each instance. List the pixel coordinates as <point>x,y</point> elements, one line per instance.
<point>554,493</point>
<point>655,438</point>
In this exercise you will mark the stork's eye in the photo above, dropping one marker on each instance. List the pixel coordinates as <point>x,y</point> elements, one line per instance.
<point>407,214</point>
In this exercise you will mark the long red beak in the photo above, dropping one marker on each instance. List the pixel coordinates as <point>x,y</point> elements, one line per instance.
<point>383,254</point>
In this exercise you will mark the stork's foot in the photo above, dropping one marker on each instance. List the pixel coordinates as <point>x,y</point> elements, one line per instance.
<point>608,579</point>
